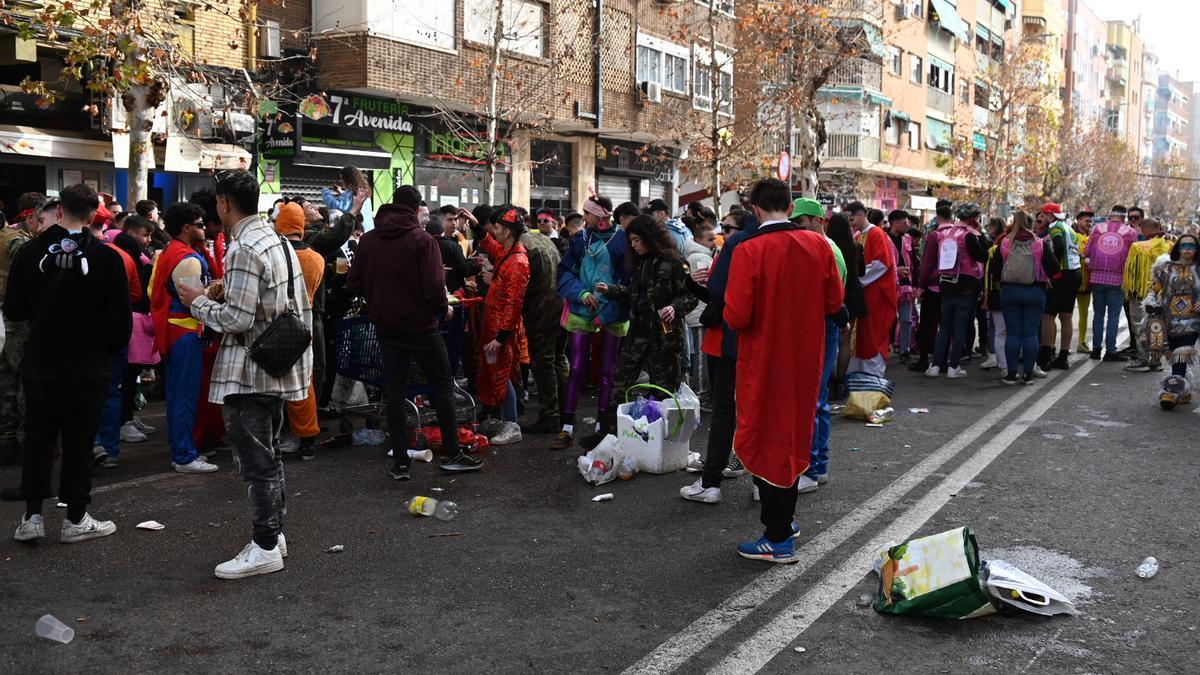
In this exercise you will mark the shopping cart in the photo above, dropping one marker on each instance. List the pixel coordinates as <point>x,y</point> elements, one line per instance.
<point>359,356</point>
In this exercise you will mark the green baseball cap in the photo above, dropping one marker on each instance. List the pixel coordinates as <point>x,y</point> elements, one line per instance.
<point>807,207</point>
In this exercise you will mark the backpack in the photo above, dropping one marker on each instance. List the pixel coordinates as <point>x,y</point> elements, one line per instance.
<point>1019,264</point>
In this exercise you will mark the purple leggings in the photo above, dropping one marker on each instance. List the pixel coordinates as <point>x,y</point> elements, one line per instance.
<point>581,349</point>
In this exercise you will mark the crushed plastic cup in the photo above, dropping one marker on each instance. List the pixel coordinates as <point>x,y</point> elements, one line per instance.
<point>881,416</point>
<point>1148,568</point>
<point>422,455</point>
<point>52,629</point>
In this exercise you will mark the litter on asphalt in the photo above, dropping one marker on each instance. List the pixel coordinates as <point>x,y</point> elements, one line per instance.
<point>606,497</point>
<point>336,548</point>
<point>150,525</point>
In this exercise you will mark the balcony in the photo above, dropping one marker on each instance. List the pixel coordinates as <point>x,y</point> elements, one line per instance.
<point>851,146</point>
<point>870,11</point>
<point>940,100</point>
<point>858,73</point>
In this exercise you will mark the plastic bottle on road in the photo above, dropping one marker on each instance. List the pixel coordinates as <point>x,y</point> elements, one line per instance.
<point>428,506</point>
<point>1148,568</point>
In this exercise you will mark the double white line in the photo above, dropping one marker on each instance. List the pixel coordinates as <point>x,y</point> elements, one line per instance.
<point>757,650</point>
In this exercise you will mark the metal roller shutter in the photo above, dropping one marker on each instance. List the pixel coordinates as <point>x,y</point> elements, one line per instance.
<point>617,188</point>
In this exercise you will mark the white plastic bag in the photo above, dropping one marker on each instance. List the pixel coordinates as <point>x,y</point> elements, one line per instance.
<point>688,400</point>
<point>1012,587</point>
<point>608,455</point>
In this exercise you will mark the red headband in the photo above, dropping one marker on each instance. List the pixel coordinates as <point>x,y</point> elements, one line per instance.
<point>24,214</point>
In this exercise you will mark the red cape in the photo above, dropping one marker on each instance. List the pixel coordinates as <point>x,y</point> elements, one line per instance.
<point>160,298</point>
<point>875,329</point>
<point>782,285</point>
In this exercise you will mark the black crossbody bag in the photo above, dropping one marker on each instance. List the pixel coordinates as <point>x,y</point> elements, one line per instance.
<point>282,344</point>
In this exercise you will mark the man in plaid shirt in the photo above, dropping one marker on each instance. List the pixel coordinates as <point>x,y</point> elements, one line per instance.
<point>254,294</point>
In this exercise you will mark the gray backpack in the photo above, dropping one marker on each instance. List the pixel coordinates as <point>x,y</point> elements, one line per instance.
<point>1019,267</point>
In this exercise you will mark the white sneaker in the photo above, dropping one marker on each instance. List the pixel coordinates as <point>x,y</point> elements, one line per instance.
<point>754,494</point>
<point>806,485</point>
<point>131,434</point>
<point>696,492</point>
<point>509,433</point>
<point>990,364</point>
<point>933,371</point>
<point>143,427</point>
<point>282,546</point>
<point>251,561</point>
<point>289,444</point>
<point>199,465</point>
<point>88,528</point>
<point>30,529</point>
<point>956,373</point>
<point>1038,372</point>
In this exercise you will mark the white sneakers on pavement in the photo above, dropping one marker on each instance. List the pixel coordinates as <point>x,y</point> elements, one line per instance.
<point>510,432</point>
<point>252,561</point>
<point>131,434</point>
<point>990,364</point>
<point>30,529</point>
<point>956,373</point>
<point>1038,372</point>
<point>282,546</point>
<point>696,492</point>
<point>806,485</point>
<point>198,465</point>
<point>933,371</point>
<point>88,528</point>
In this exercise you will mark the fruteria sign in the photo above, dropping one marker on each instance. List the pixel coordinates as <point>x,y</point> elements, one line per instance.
<point>355,111</point>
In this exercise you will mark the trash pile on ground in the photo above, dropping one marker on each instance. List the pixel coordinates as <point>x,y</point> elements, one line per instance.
<point>941,576</point>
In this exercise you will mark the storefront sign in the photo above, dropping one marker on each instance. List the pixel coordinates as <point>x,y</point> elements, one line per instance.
<point>278,137</point>
<point>453,147</point>
<point>354,111</point>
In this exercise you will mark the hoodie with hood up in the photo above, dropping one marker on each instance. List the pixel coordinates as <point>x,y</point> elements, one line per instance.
<point>398,269</point>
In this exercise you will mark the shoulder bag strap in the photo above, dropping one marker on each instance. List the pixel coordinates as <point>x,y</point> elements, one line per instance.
<point>291,289</point>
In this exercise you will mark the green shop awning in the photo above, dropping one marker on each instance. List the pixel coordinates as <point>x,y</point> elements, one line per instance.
<point>900,115</point>
<point>949,19</point>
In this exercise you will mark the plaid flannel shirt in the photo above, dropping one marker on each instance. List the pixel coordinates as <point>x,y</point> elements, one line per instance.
<point>255,293</point>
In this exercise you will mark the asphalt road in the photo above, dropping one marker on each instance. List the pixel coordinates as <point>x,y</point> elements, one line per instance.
<point>1074,480</point>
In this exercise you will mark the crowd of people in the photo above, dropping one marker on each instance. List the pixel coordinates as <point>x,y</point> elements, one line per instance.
<point>768,312</point>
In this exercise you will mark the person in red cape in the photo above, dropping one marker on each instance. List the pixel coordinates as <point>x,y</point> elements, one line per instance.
<point>780,354</point>
<point>176,334</point>
<point>879,284</point>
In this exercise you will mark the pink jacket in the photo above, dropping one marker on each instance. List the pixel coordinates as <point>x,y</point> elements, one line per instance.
<point>1107,248</point>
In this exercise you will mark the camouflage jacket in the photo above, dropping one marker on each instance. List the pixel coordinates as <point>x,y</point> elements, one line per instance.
<point>655,283</point>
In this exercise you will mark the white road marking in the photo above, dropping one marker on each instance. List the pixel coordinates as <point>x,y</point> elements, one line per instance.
<point>760,648</point>
<point>703,631</point>
<point>134,482</point>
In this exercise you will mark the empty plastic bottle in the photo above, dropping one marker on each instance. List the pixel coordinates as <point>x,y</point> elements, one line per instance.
<point>1148,568</point>
<point>428,506</point>
<point>626,468</point>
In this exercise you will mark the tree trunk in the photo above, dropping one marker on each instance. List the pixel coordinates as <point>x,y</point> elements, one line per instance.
<point>493,154</point>
<point>808,148</point>
<point>138,122</point>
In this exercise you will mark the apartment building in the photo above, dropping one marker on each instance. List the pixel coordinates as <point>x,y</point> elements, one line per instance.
<point>1173,119</point>
<point>200,127</point>
<point>1087,61</point>
<point>1149,105</point>
<point>1124,83</point>
<point>1044,23</point>
<point>588,114</point>
<point>893,144</point>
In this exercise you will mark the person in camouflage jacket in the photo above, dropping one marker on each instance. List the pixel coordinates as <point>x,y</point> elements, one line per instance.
<point>658,298</point>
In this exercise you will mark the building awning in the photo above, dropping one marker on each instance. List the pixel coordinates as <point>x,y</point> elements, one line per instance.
<point>922,203</point>
<point>845,93</point>
<point>979,141</point>
<point>1003,4</point>
<point>337,156</point>
<point>900,115</point>
<point>944,65</point>
<point>948,18</point>
<point>34,142</point>
<point>875,40</point>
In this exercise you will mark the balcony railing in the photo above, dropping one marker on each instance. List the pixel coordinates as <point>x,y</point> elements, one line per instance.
<point>858,9</point>
<point>851,146</point>
<point>858,73</point>
<point>940,100</point>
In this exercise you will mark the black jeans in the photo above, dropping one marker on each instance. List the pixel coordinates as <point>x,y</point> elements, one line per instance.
<point>958,313</point>
<point>778,510</point>
<point>253,426</point>
<point>70,409</point>
<point>927,326</point>
<point>722,371</point>
<point>429,351</point>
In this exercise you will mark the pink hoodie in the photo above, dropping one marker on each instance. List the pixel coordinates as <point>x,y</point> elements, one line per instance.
<point>1107,248</point>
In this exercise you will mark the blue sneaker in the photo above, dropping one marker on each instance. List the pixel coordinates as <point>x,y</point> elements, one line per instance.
<point>763,549</point>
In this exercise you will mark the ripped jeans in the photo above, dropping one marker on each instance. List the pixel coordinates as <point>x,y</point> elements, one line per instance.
<point>253,424</point>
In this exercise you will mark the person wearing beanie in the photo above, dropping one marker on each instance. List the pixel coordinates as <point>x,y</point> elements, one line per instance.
<point>302,415</point>
<point>177,335</point>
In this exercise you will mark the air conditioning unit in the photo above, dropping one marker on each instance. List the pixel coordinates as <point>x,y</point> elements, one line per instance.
<point>651,91</point>
<point>269,40</point>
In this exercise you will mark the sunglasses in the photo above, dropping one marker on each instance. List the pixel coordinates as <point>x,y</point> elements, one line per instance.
<point>546,221</point>
<point>1135,217</point>
<point>1187,247</point>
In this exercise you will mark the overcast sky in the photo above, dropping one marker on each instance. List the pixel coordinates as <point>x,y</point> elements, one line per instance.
<point>1168,27</point>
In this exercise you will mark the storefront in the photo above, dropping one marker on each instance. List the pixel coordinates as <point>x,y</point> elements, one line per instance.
<point>550,176</point>
<point>627,171</point>
<point>303,149</point>
<point>451,168</point>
